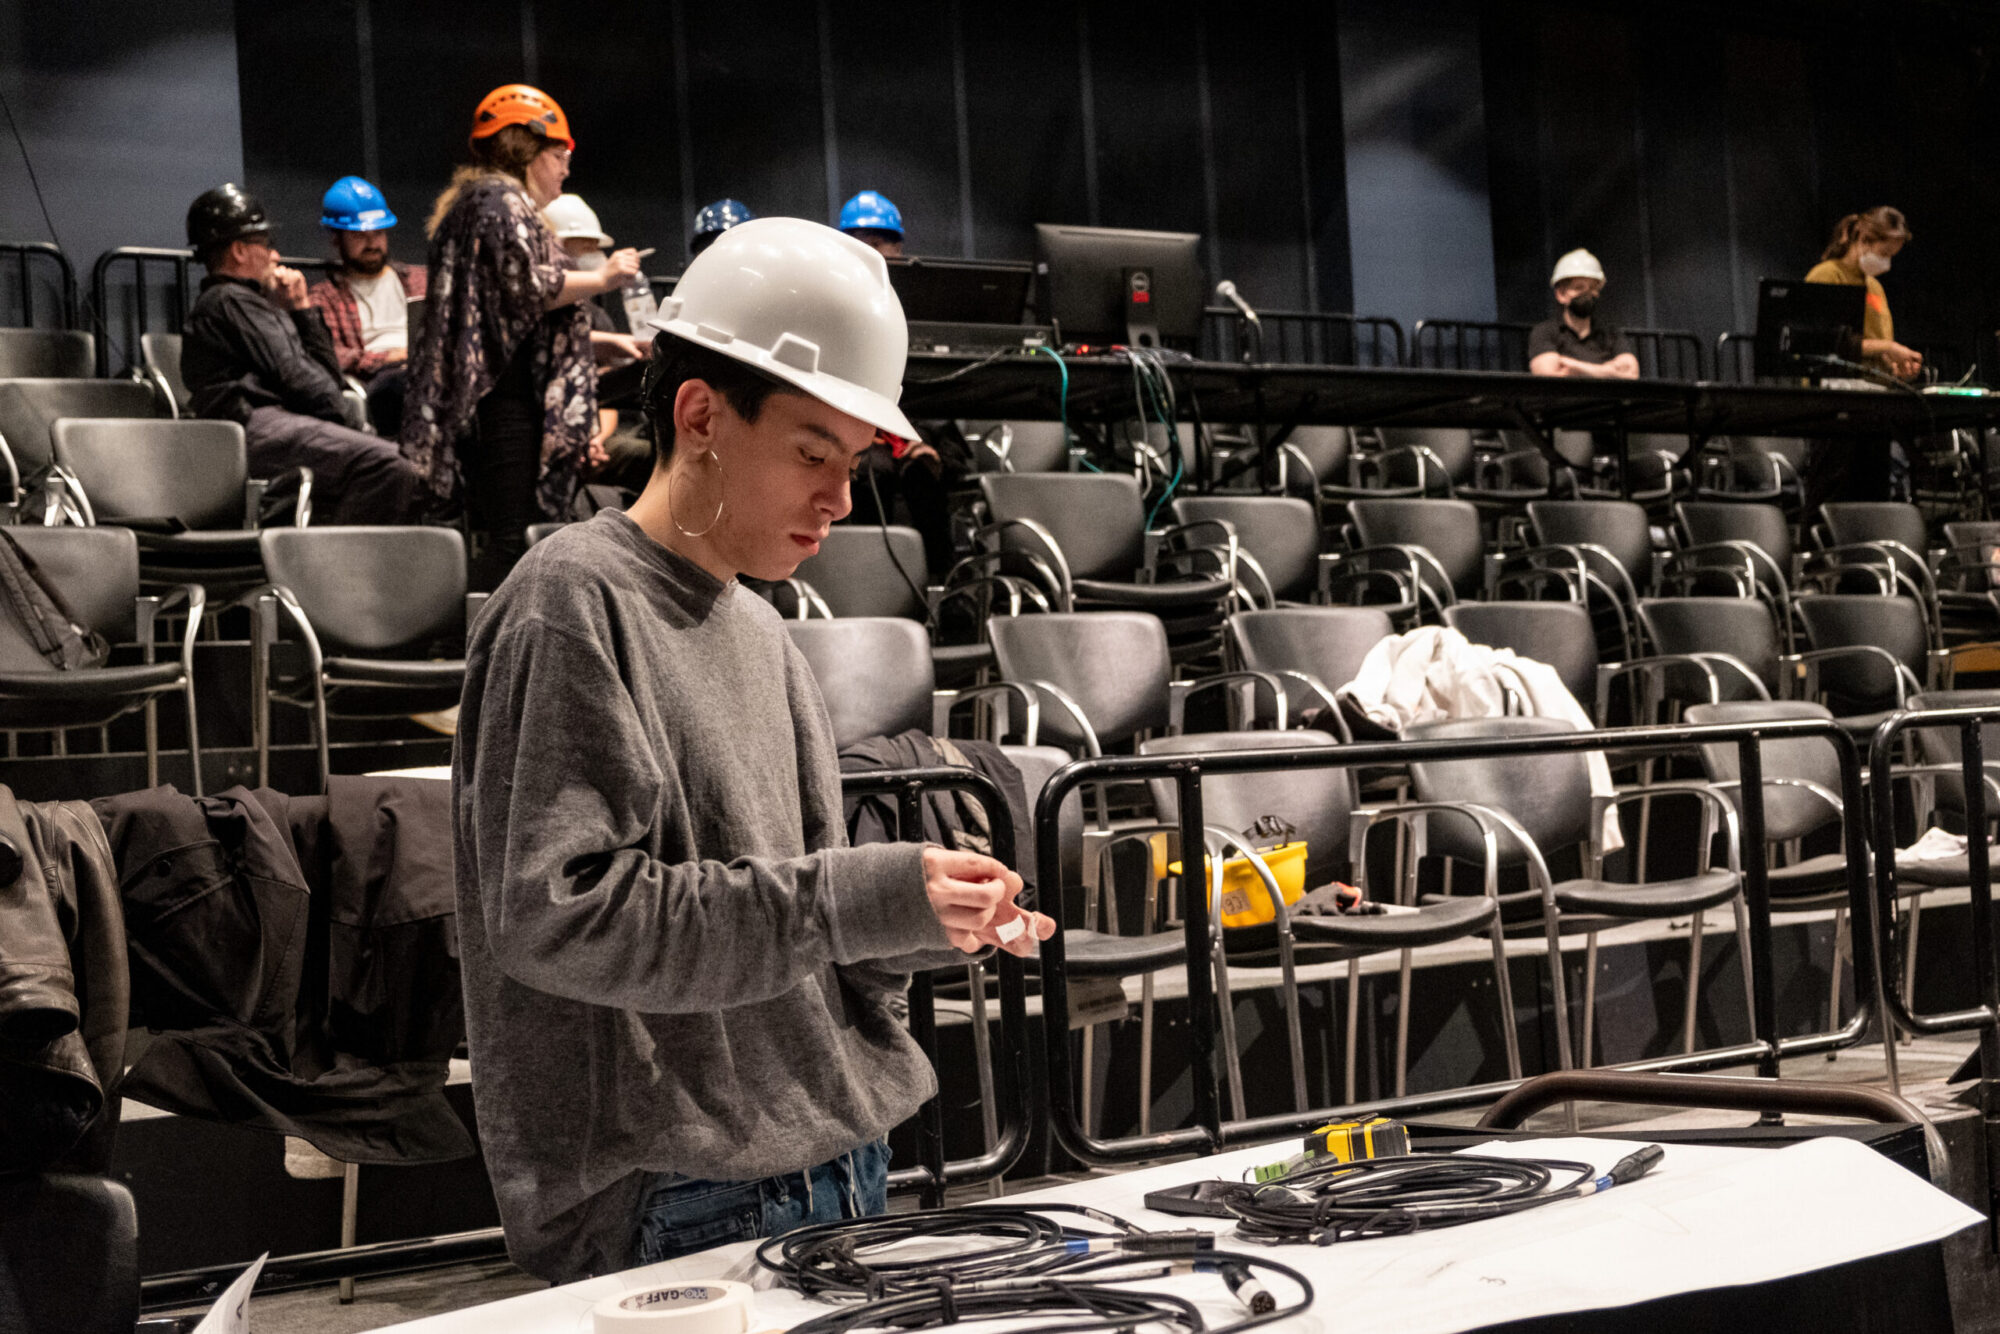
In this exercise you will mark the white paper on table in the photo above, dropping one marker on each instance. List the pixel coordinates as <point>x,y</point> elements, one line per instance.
<point>231,1312</point>
<point>1706,1217</point>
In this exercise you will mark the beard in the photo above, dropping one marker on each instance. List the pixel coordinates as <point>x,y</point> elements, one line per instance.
<point>367,265</point>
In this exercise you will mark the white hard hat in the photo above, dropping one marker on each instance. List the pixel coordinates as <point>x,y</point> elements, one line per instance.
<point>1577,264</point>
<point>805,304</point>
<point>569,217</point>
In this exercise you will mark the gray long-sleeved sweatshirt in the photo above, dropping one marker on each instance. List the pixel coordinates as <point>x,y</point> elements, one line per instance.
<point>672,960</point>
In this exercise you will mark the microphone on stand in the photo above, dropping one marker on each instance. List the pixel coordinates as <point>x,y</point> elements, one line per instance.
<point>1227,291</point>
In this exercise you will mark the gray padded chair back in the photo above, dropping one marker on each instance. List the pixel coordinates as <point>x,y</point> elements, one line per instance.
<point>1557,633</point>
<point>28,408</point>
<point>1316,802</point>
<point>1838,620</point>
<point>1451,444</point>
<point>370,589</point>
<point>67,354</point>
<point>1849,521</point>
<point>1112,663</point>
<point>1740,627</point>
<point>1448,529</point>
<point>1018,446</point>
<point>1852,521</point>
<point>874,673</point>
<point>1038,764</point>
<point>96,570</point>
<point>538,531</point>
<point>1325,642</point>
<point>1281,533</point>
<point>193,471</point>
<point>856,572</point>
<point>1789,812</point>
<point>162,353</point>
<point>1327,448</point>
<point>1705,521</point>
<point>1942,745</point>
<point>1098,519</point>
<point>1548,794</point>
<point>69,1254</point>
<point>1619,526</point>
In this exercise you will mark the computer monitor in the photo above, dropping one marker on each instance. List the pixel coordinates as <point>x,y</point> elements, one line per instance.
<point>1799,322</point>
<point>1111,285</point>
<point>962,291</point>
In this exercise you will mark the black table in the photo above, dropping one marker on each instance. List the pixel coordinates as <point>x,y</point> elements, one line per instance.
<point>1029,387</point>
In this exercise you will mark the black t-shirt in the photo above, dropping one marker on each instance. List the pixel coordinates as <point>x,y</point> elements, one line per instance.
<point>1604,343</point>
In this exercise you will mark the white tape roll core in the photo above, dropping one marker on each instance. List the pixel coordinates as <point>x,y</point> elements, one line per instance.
<point>712,1306</point>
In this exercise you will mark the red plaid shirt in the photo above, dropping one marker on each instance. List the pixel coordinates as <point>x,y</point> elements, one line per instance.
<point>343,316</point>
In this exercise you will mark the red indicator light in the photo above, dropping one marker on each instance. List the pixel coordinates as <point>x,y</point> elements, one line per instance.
<point>1141,298</point>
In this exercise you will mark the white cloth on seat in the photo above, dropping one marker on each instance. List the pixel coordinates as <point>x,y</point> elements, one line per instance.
<point>1434,673</point>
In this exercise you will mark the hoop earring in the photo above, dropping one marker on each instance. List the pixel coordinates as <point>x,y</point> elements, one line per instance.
<point>673,514</point>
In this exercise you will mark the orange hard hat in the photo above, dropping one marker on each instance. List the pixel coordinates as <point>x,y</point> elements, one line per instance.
<point>528,107</point>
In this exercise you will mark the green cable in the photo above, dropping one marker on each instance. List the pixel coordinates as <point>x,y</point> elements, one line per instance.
<point>1063,366</point>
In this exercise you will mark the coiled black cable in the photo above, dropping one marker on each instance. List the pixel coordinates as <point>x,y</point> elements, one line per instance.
<point>950,1266</point>
<point>867,1257</point>
<point>1331,1201</point>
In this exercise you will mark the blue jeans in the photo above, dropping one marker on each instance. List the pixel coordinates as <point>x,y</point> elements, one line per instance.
<point>680,1215</point>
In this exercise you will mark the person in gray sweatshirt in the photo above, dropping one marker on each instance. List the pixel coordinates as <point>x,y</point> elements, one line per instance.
<point>678,977</point>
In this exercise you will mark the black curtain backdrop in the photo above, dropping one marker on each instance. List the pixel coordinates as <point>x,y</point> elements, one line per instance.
<point>978,120</point>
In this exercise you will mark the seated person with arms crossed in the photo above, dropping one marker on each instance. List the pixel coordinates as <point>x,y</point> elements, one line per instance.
<point>255,351</point>
<point>1573,344</point>
<point>680,981</point>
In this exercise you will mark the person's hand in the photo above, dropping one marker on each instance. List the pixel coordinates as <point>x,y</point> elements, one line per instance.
<point>395,356</point>
<point>919,452</point>
<point>287,287</point>
<point>973,897</point>
<point>607,422</point>
<point>1904,362</point>
<point>620,268</point>
<point>629,346</point>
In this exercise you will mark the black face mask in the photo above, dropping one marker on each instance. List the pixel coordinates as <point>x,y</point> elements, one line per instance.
<point>1582,306</point>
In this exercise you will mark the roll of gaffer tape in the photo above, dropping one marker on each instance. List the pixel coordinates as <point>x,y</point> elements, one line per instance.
<point>712,1306</point>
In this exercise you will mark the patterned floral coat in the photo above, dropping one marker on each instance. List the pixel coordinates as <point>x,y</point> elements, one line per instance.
<point>493,267</point>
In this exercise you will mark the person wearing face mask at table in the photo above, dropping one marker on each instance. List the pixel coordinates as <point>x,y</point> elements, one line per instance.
<point>1575,344</point>
<point>1858,256</point>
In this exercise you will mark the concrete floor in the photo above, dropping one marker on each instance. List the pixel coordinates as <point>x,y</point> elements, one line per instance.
<point>1926,1065</point>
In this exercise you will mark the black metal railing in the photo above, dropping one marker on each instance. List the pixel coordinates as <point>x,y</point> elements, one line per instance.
<point>1209,1132</point>
<point>137,290</point>
<point>1983,1016</point>
<point>37,267</point>
<point>1736,358</point>
<point>1302,338</point>
<point>1012,1075</point>
<point>1470,345</point>
<point>1668,354</point>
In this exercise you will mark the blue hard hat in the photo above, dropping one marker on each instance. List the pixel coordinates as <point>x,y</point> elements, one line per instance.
<point>353,205</point>
<point>717,218</point>
<point>871,212</point>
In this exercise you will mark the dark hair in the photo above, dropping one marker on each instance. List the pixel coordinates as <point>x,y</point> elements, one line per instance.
<point>1877,224</point>
<point>505,152</point>
<point>675,361</point>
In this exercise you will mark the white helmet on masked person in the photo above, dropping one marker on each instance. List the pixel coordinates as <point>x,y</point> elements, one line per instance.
<point>570,218</point>
<point>1576,264</point>
<point>805,304</point>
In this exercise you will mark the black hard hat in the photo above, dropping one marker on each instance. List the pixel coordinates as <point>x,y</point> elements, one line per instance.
<point>226,213</point>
